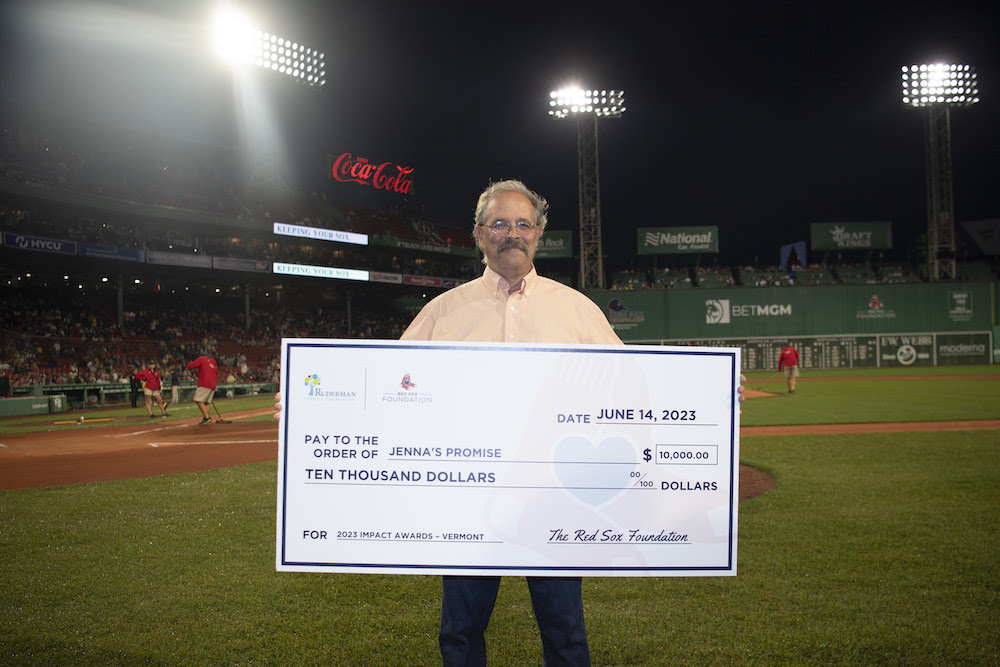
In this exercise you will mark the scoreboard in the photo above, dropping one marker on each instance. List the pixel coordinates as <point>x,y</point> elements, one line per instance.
<point>863,351</point>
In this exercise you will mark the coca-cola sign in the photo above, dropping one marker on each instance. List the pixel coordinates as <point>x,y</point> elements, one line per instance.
<point>385,176</point>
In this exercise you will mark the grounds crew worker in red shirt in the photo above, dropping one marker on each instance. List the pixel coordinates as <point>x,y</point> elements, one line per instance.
<point>208,374</point>
<point>150,379</point>
<point>789,362</point>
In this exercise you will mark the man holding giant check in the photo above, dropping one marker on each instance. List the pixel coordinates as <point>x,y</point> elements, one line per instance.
<point>562,454</point>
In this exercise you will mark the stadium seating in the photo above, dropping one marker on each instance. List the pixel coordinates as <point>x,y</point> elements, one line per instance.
<point>715,277</point>
<point>812,275</point>
<point>897,273</point>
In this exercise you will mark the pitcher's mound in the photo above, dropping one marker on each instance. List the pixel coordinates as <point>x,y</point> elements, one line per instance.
<point>757,393</point>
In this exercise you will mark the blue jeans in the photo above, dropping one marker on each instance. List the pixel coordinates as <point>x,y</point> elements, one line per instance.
<point>467,603</point>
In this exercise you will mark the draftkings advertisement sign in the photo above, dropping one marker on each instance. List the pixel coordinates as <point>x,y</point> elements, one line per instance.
<point>851,235</point>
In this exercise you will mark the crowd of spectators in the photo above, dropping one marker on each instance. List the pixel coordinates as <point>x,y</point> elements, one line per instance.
<point>653,278</point>
<point>189,202</point>
<point>163,177</point>
<point>849,273</point>
<point>267,247</point>
<point>53,336</point>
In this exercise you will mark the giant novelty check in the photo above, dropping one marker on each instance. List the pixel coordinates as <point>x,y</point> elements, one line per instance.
<point>489,459</point>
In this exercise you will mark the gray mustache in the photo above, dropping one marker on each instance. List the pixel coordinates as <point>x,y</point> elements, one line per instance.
<point>513,243</point>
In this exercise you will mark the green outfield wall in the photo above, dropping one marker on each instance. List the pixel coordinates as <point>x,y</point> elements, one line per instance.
<point>835,326</point>
<point>46,398</point>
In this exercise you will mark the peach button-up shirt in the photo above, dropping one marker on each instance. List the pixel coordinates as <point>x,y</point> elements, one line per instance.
<point>541,311</point>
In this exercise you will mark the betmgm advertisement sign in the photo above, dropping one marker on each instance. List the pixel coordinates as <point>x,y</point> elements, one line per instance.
<point>677,240</point>
<point>723,311</point>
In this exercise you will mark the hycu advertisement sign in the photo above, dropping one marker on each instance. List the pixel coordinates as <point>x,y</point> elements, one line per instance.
<point>851,235</point>
<point>348,168</point>
<point>677,240</point>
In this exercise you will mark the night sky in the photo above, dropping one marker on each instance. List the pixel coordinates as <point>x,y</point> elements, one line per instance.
<point>756,117</point>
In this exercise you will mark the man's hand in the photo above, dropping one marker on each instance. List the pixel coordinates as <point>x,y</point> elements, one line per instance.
<point>277,404</point>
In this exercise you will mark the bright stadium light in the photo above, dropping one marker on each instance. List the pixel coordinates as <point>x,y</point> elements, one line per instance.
<point>569,102</point>
<point>938,88</point>
<point>928,85</point>
<point>233,35</point>
<point>238,40</point>
<point>587,107</point>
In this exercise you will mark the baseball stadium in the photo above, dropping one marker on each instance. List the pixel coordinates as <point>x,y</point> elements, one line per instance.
<point>137,520</point>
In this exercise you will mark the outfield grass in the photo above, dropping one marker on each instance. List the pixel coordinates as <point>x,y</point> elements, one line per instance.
<point>877,396</point>
<point>874,549</point>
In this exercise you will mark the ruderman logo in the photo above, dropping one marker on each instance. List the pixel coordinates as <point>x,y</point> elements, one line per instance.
<point>312,381</point>
<point>317,392</point>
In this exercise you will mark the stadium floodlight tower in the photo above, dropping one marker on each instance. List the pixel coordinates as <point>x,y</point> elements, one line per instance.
<point>938,88</point>
<point>240,43</point>
<point>238,40</point>
<point>587,107</point>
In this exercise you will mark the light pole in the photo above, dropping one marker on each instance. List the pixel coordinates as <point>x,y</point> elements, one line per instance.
<point>239,42</point>
<point>938,88</point>
<point>587,107</point>
<point>245,47</point>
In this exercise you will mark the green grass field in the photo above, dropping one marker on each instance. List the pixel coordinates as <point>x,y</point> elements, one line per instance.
<point>875,549</point>
<point>112,416</point>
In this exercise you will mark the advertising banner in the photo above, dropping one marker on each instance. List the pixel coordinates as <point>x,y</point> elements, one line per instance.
<point>553,245</point>
<point>383,277</point>
<point>38,243</point>
<point>415,246</point>
<point>906,350</point>
<point>955,349</point>
<point>237,264</point>
<point>891,350</point>
<point>319,233</point>
<point>635,315</point>
<point>985,233</point>
<point>178,259</point>
<point>309,271</point>
<point>817,310</point>
<point>100,251</point>
<point>851,235</point>
<point>677,240</point>
<point>348,168</point>
<point>423,281</point>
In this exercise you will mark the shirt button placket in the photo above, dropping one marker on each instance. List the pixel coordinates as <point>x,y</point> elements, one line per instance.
<point>510,325</point>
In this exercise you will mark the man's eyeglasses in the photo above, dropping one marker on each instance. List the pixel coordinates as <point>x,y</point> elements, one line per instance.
<point>504,227</point>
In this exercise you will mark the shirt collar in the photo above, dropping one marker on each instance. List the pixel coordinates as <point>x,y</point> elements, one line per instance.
<point>500,287</point>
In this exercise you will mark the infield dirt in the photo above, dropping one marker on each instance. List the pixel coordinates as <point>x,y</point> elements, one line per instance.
<point>138,448</point>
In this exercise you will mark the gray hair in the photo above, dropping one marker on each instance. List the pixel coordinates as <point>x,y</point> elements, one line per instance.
<point>537,201</point>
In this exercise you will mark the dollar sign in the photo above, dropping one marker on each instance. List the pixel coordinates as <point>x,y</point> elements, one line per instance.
<point>646,455</point>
